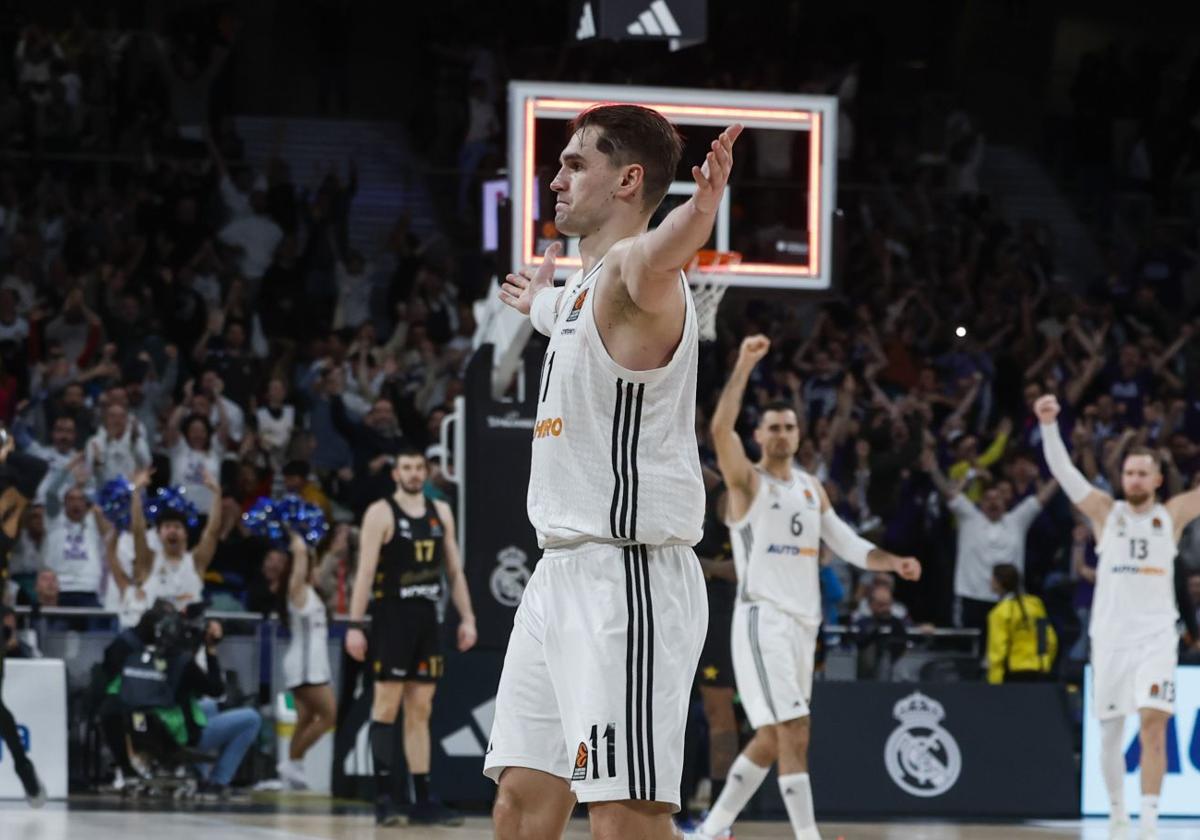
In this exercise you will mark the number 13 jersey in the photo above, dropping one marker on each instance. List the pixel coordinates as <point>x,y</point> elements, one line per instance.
<point>1134,601</point>
<point>777,546</point>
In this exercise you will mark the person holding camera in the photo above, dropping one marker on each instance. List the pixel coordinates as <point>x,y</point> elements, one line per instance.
<point>191,716</point>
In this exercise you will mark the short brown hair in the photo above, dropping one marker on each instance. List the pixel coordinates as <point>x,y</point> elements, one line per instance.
<point>633,134</point>
<point>1134,451</point>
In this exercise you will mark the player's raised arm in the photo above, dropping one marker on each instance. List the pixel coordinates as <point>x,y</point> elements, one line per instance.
<point>736,469</point>
<point>649,264</point>
<point>852,548</point>
<point>1184,508</point>
<point>1093,503</point>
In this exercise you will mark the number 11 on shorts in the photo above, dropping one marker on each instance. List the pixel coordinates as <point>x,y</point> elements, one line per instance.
<point>588,754</point>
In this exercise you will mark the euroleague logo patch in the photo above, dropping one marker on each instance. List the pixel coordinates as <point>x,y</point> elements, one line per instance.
<point>581,763</point>
<point>577,307</point>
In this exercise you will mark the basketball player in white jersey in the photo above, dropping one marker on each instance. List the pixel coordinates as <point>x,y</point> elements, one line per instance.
<point>593,697</point>
<point>778,516</point>
<point>1134,610</point>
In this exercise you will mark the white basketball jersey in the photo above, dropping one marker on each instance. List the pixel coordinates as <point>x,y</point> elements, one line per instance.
<point>614,450</point>
<point>777,546</point>
<point>1134,601</point>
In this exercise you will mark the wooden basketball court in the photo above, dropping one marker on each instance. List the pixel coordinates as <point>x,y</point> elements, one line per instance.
<point>60,822</point>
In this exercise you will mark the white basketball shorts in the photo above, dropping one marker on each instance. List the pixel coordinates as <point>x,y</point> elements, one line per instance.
<point>773,660</point>
<point>599,671</point>
<point>1128,678</point>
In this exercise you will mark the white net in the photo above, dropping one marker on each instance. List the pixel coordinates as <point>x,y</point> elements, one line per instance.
<point>707,297</point>
<point>708,288</point>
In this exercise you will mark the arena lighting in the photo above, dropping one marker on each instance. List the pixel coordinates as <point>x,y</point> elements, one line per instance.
<point>814,115</point>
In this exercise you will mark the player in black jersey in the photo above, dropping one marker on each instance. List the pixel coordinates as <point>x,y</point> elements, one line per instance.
<point>407,545</point>
<point>20,475</point>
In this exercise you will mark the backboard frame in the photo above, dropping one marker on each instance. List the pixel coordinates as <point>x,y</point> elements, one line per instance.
<point>816,115</point>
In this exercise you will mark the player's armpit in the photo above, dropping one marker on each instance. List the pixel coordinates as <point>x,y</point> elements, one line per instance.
<point>652,289</point>
<point>1096,507</point>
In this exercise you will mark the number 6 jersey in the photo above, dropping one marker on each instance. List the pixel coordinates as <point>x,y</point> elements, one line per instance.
<point>777,546</point>
<point>1135,579</point>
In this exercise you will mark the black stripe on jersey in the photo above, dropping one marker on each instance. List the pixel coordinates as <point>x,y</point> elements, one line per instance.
<point>626,431</point>
<point>623,522</point>
<point>637,428</point>
<point>629,674</point>
<point>759,665</point>
<point>616,437</point>
<point>639,598</point>
<point>549,371</point>
<point>649,667</point>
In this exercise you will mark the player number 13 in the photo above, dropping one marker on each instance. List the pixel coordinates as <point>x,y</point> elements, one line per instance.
<point>1138,549</point>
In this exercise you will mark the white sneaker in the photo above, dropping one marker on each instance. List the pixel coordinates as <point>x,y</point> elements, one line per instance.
<point>1119,828</point>
<point>1148,832</point>
<point>292,774</point>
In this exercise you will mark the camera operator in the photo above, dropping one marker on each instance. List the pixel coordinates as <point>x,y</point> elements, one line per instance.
<point>193,720</point>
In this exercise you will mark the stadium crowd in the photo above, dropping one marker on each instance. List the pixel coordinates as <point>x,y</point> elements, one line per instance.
<point>167,304</point>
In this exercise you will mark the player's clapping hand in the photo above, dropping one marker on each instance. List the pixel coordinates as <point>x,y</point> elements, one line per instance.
<point>1046,408</point>
<point>467,635</point>
<point>908,568</point>
<point>519,290</point>
<point>713,175</point>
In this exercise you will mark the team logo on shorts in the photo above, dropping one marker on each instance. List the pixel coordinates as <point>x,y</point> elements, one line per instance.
<point>581,763</point>
<point>1154,692</point>
<point>922,758</point>
<point>578,306</point>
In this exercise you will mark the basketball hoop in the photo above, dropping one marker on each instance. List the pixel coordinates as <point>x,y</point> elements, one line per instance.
<point>707,291</point>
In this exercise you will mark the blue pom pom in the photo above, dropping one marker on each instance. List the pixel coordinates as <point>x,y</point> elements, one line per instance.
<point>171,498</point>
<point>273,519</point>
<point>113,499</point>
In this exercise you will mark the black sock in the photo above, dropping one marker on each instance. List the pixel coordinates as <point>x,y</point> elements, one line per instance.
<point>421,787</point>
<point>12,739</point>
<point>718,785</point>
<point>382,741</point>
